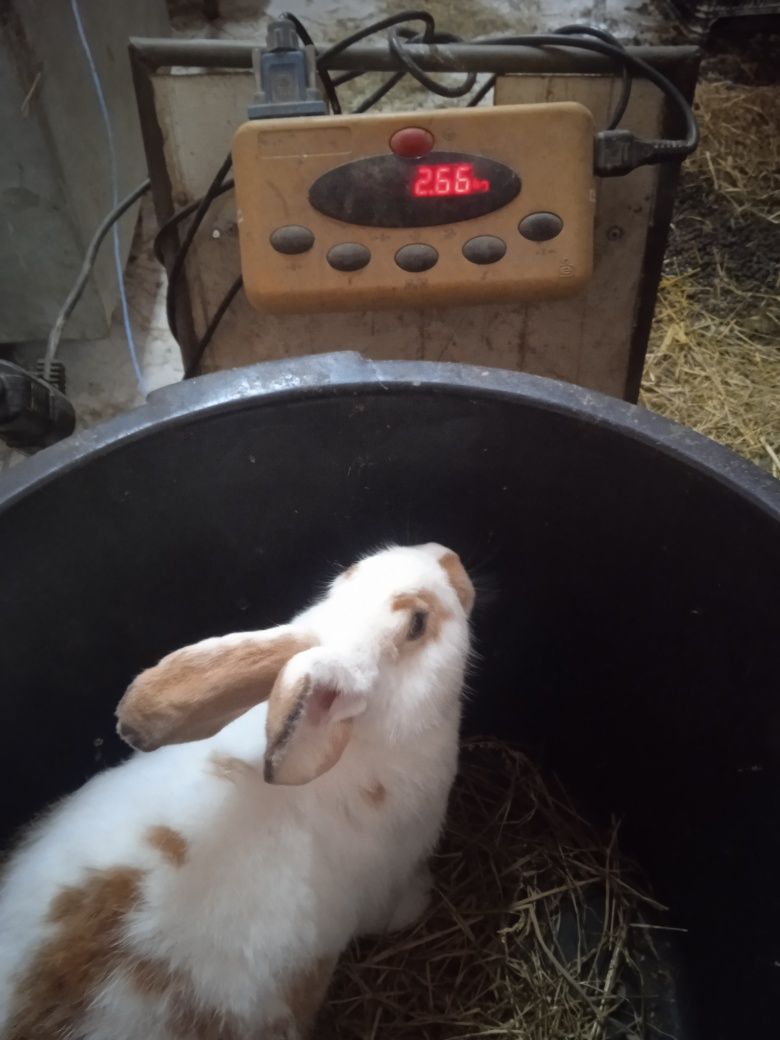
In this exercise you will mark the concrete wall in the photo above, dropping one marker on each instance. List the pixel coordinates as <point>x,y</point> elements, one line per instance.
<point>54,166</point>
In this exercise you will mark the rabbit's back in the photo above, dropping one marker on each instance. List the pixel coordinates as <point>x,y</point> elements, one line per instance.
<point>115,906</point>
<point>180,895</point>
<point>81,871</point>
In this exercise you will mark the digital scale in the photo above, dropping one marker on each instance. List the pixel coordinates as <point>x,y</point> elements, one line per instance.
<point>473,205</point>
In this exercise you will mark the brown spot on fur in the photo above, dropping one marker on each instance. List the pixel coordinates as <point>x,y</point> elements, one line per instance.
<point>149,976</point>
<point>306,990</point>
<point>55,991</point>
<point>192,693</point>
<point>426,603</point>
<point>66,973</point>
<point>170,843</point>
<point>66,904</point>
<point>459,579</point>
<point>350,571</point>
<point>375,795</point>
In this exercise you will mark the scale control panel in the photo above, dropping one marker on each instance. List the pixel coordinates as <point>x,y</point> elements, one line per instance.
<point>455,206</point>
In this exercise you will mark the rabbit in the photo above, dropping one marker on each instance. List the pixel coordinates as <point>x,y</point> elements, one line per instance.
<point>287,790</point>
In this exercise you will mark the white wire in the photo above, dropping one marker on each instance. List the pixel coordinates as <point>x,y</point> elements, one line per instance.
<point>120,276</point>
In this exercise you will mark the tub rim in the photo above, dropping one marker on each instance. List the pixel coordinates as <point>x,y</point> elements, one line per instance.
<point>334,374</point>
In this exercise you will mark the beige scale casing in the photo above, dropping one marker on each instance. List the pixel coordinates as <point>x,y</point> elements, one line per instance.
<point>278,161</point>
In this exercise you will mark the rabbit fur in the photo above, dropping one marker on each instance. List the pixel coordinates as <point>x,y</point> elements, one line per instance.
<point>288,791</point>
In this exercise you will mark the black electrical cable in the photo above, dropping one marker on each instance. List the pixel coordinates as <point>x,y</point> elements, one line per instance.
<point>607,37</point>
<point>397,38</point>
<point>178,217</point>
<point>582,37</point>
<point>427,36</point>
<point>663,149</point>
<point>178,261</point>
<point>483,91</point>
<point>384,88</point>
<point>211,328</point>
<point>579,30</point>
<point>346,77</point>
<point>376,96</point>
<point>397,46</point>
<point>333,51</point>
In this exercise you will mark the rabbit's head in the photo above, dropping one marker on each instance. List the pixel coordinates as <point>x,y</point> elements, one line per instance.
<point>383,652</point>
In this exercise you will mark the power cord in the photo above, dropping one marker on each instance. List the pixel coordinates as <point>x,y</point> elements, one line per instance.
<point>619,151</point>
<point>180,215</point>
<point>34,410</point>
<point>607,37</point>
<point>178,262</point>
<point>616,151</point>
<point>73,297</point>
<point>194,362</point>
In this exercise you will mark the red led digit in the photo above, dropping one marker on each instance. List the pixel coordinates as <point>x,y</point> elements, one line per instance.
<point>446,179</point>
<point>422,182</point>
<point>463,178</point>
<point>442,181</point>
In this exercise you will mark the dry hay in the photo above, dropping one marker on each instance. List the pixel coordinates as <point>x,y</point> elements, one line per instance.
<point>714,357</point>
<point>536,928</point>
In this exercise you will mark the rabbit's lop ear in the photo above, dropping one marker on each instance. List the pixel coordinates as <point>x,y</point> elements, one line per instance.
<point>192,693</point>
<point>310,716</point>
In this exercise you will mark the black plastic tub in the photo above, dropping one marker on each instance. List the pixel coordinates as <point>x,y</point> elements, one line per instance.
<point>630,637</point>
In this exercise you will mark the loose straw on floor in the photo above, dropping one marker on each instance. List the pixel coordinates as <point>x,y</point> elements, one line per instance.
<point>534,931</point>
<point>714,357</point>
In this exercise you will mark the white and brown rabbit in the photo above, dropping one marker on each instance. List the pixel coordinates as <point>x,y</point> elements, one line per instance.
<point>204,890</point>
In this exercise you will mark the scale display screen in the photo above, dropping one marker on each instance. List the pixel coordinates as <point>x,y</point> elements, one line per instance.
<point>446,179</point>
<point>393,191</point>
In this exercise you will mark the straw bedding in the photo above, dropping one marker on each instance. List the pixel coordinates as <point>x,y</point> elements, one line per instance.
<point>714,357</point>
<point>537,929</point>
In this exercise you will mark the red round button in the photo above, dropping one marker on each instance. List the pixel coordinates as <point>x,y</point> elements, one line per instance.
<point>411,142</point>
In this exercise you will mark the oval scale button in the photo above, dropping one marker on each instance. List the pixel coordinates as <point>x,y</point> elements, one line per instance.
<point>416,257</point>
<point>348,256</point>
<point>540,227</point>
<point>484,249</point>
<point>292,239</point>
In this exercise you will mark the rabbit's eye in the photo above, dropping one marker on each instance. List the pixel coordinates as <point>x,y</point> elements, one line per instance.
<point>417,625</point>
